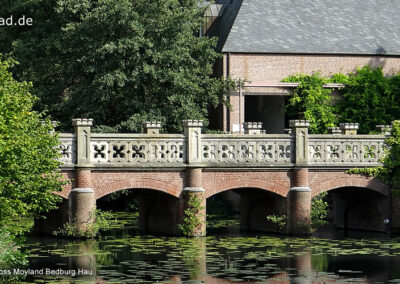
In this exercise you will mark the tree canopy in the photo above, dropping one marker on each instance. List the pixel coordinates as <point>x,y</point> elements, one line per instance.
<point>118,61</point>
<point>28,153</point>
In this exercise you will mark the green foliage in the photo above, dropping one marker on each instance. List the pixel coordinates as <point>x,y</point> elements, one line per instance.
<point>369,98</point>
<point>28,154</point>
<point>120,62</point>
<point>279,220</point>
<point>102,222</point>
<point>313,101</point>
<point>10,255</point>
<point>218,205</point>
<point>191,216</point>
<point>319,210</point>
<point>390,171</point>
<point>123,200</point>
<point>319,213</point>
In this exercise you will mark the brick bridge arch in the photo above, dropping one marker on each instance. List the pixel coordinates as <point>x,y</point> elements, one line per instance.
<point>350,181</point>
<point>106,182</point>
<point>275,182</point>
<point>115,186</point>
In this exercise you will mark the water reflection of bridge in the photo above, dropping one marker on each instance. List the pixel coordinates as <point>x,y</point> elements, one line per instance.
<point>272,174</point>
<point>205,260</point>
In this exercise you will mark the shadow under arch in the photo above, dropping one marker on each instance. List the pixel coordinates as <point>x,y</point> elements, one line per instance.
<point>158,210</point>
<point>359,208</point>
<point>254,205</point>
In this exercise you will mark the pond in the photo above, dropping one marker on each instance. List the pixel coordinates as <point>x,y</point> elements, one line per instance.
<point>124,256</point>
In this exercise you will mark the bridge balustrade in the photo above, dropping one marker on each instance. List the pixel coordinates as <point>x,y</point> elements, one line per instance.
<point>225,150</point>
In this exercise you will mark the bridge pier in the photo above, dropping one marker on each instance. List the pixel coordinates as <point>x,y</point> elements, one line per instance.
<point>299,196</point>
<point>82,205</point>
<point>299,204</point>
<point>194,191</point>
<point>395,222</point>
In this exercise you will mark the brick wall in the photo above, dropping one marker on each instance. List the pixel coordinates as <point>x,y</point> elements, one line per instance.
<point>272,68</point>
<point>218,180</point>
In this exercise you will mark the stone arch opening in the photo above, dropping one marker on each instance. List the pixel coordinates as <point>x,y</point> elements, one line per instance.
<point>252,206</point>
<point>158,210</point>
<point>355,208</point>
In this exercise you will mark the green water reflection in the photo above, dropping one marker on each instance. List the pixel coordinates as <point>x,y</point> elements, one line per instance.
<point>122,256</point>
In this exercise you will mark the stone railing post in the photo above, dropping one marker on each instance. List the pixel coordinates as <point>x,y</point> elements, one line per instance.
<point>192,131</point>
<point>349,128</point>
<point>335,130</point>
<point>82,202</point>
<point>299,196</point>
<point>252,127</point>
<point>384,129</point>
<point>193,185</point>
<point>152,127</point>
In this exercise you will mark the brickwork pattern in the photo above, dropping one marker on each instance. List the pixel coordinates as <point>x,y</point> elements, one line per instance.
<point>272,68</point>
<point>67,175</point>
<point>321,181</point>
<point>218,181</point>
<point>215,181</point>
<point>106,182</point>
<point>275,67</point>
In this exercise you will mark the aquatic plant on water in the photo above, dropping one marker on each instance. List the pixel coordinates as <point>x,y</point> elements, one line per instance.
<point>102,221</point>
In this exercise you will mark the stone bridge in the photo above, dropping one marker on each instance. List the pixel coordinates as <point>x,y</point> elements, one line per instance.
<point>272,173</point>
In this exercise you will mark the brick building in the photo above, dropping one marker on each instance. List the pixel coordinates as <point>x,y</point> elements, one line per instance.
<point>264,41</point>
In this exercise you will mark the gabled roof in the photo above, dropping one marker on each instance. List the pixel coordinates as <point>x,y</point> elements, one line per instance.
<point>309,26</point>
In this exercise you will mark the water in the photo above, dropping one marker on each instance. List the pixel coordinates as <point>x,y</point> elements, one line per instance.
<point>122,256</point>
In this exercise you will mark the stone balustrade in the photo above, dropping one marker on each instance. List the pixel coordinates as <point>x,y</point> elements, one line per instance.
<point>256,149</point>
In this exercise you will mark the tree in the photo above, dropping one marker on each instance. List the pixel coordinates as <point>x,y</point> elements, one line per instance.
<point>313,101</point>
<point>369,98</point>
<point>28,153</point>
<point>118,61</point>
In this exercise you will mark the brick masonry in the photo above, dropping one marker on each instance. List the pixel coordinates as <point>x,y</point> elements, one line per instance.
<point>272,68</point>
<point>275,67</point>
<point>215,181</point>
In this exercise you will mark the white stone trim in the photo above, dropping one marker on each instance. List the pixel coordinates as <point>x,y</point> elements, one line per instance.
<point>83,190</point>
<point>194,189</point>
<point>300,188</point>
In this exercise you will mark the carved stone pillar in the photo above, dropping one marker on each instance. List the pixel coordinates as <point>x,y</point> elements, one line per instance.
<point>152,127</point>
<point>194,188</point>
<point>82,202</point>
<point>384,129</point>
<point>299,196</point>
<point>192,131</point>
<point>252,127</point>
<point>349,128</point>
